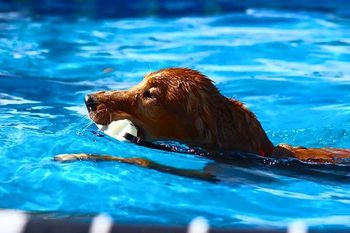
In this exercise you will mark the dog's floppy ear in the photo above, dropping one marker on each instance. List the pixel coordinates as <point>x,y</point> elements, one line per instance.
<point>213,117</point>
<point>199,106</point>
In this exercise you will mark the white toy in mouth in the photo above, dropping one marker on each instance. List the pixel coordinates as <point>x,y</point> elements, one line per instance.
<point>117,129</point>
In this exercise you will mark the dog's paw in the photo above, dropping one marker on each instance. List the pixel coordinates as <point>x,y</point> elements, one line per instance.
<point>70,157</point>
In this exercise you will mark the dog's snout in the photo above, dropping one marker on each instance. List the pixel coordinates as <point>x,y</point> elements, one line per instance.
<point>90,102</point>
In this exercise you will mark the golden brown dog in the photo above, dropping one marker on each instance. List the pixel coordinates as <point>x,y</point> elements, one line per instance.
<point>182,104</point>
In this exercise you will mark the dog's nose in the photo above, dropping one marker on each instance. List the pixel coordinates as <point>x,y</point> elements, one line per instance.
<point>90,102</point>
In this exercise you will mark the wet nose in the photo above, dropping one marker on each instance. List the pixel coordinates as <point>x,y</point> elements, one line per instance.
<point>90,102</point>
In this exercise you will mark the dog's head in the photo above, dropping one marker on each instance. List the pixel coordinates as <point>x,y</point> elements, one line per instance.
<point>175,104</point>
<point>165,105</point>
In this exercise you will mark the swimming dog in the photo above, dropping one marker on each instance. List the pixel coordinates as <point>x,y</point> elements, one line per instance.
<point>184,105</point>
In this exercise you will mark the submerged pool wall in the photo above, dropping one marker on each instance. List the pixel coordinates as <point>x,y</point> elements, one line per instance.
<point>165,8</point>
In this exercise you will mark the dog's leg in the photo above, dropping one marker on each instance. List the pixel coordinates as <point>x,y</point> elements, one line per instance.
<point>318,155</point>
<point>196,174</point>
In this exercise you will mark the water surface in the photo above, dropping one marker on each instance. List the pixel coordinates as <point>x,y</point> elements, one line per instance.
<point>290,68</point>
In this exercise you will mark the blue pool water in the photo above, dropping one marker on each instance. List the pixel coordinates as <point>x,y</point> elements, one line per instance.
<point>292,68</point>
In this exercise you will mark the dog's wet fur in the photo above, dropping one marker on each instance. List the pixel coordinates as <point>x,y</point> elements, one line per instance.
<point>184,105</point>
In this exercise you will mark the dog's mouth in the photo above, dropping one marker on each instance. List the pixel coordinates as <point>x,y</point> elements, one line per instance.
<point>107,122</point>
<point>115,128</point>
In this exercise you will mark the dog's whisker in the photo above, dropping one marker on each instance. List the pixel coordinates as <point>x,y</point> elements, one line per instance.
<point>83,124</point>
<point>86,126</point>
<point>82,119</point>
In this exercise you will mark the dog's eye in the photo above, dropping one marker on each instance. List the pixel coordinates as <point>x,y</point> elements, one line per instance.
<point>147,94</point>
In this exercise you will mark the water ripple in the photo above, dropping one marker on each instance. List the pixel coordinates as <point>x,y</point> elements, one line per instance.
<point>290,68</point>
